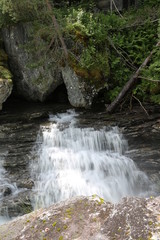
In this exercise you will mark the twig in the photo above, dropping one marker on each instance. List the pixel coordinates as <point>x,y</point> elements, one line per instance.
<point>148,79</point>
<point>139,24</point>
<point>120,54</point>
<point>141,104</point>
<point>51,43</point>
<point>117,8</point>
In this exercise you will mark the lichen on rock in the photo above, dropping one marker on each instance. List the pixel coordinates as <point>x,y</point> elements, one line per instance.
<point>89,218</point>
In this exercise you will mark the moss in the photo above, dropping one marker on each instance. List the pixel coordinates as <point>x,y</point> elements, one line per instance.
<point>65,227</point>
<point>69,210</point>
<point>94,75</point>
<point>60,238</point>
<point>101,200</point>
<point>150,223</point>
<point>3,56</point>
<point>58,229</point>
<point>94,219</point>
<point>54,224</point>
<point>5,73</point>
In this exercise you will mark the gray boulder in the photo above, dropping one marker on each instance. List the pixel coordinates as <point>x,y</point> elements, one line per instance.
<point>34,83</point>
<point>89,218</point>
<point>80,93</point>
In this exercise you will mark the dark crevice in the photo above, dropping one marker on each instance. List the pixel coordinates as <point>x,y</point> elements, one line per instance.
<point>59,95</point>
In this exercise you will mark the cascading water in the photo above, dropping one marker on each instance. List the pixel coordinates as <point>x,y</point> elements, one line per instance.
<point>83,161</point>
<point>4,185</point>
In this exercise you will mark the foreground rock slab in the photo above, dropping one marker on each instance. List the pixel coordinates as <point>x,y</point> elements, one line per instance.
<point>89,218</point>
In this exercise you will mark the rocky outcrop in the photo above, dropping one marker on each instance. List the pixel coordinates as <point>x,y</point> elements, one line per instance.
<point>80,94</point>
<point>34,83</point>
<point>89,218</point>
<point>5,78</point>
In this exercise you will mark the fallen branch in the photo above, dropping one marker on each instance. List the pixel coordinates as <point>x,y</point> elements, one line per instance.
<point>129,85</point>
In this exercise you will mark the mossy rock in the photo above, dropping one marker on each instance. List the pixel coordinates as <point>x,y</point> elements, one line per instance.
<point>3,57</point>
<point>5,73</point>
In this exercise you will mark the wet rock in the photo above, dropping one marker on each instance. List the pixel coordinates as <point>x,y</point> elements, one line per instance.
<point>89,218</point>
<point>16,205</point>
<point>33,83</point>
<point>7,191</point>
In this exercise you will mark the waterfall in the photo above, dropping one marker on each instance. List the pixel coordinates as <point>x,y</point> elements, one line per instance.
<point>73,161</point>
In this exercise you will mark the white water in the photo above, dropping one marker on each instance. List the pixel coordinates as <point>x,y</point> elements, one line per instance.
<point>73,161</point>
<point>4,184</point>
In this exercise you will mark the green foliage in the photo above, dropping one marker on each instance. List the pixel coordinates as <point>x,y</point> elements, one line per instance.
<point>151,3</point>
<point>13,11</point>
<point>133,42</point>
<point>4,72</point>
<point>149,88</point>
<point>101,46</point>
<point>90,33</point>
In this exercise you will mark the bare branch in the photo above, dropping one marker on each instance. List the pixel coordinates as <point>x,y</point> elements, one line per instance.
<point>128,62</point>
<point>141,104</point>
<point>148,79</point>
<point>112,1</point>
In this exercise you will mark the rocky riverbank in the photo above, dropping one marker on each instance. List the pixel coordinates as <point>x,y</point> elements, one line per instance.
<point>19,126</point>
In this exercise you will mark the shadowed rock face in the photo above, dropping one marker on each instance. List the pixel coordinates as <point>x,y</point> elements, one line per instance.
<point>5,90</point>
<point>33,83</point>
<point>89,218</point>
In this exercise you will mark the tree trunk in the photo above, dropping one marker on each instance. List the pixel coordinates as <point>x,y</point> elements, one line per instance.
<point>56,26</point>
<point>129,85</point>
